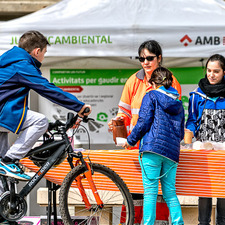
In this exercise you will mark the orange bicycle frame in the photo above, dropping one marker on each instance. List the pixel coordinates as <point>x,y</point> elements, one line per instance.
<point>88,176</point>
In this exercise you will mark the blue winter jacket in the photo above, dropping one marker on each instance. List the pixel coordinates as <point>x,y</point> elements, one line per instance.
<point>19,72</point>
<point>197,103</point>
<point>160,124</point>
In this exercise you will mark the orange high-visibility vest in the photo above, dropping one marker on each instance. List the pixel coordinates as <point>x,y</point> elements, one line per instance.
<point>132,95</point>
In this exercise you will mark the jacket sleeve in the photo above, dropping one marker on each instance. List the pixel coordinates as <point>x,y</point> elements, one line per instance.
<point>42,86</point>
<point>177,86</point>
<point>192,113</point>
<point>145,120</point>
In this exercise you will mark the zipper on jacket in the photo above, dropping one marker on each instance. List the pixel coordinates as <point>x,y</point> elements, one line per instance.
<point>24,107</point>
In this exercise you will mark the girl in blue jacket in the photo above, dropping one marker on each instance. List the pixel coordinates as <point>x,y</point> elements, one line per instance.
<point>160,128</point>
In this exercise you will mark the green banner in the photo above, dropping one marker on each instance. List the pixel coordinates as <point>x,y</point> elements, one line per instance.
<point>74,77</point>
<point>188,75</point>
<point>78,77</point>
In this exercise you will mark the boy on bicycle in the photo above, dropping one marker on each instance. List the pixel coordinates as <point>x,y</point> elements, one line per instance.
<point>20,72</point>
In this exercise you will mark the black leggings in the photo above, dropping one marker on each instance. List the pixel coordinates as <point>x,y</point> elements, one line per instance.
<point>205,211</point>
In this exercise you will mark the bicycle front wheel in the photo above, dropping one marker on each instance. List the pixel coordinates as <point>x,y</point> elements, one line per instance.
<point>117,201</point>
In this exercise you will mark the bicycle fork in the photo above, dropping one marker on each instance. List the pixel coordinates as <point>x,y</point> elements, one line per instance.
<point>88,176</point>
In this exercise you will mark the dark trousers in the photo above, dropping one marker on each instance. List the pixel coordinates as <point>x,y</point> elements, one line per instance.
<point>205,211</point>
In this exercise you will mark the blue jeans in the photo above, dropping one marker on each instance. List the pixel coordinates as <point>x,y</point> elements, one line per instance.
<point>155,167</point>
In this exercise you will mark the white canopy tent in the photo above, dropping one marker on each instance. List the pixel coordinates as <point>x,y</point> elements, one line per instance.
<point>106,34</point>
<point>101,28</point>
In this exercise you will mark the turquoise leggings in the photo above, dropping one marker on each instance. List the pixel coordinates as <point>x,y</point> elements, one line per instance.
<point>155,167</point>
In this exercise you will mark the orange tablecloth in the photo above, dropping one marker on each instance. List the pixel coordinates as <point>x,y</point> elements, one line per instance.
<point>200,172</point>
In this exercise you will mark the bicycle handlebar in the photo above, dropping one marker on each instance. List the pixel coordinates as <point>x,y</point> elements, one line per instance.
<point>57,123</point>
<point>85,118</point>
<point>71,120</point>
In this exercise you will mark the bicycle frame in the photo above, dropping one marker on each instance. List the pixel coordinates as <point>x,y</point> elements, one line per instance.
<point>61,147</point>
<point>81,178</point>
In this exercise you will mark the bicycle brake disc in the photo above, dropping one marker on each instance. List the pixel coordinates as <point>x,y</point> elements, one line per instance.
<point>9,212</point>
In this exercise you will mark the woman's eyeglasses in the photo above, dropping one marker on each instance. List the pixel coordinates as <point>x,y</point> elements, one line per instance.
<point>149,58</point>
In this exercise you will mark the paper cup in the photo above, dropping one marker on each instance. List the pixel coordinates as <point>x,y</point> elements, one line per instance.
<point>120,141</point>
<point>188,137</point>
<point>197,145</point>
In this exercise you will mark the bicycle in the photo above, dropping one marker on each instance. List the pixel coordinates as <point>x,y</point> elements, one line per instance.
<point>92,188</point>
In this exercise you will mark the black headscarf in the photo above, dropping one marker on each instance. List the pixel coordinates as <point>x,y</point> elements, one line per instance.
<point>215,90</point>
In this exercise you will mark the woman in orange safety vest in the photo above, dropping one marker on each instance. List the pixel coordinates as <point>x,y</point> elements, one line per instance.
<point>150,56</point>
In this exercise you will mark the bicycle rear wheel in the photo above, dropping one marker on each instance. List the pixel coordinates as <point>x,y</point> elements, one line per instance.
<point>118,203</point>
